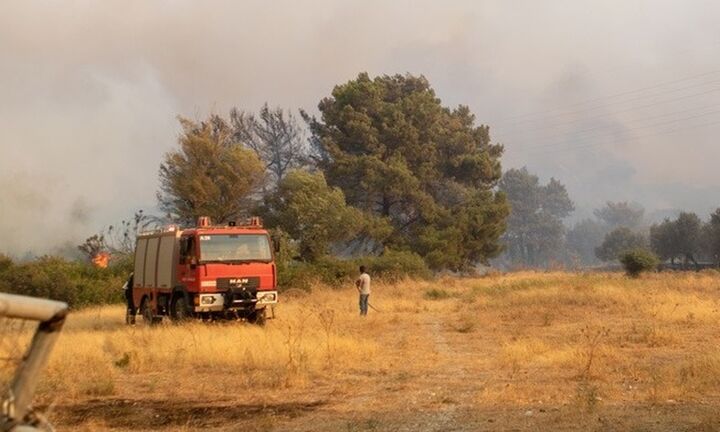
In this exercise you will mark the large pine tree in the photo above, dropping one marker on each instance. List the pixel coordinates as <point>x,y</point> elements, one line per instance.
<point>398,153</point>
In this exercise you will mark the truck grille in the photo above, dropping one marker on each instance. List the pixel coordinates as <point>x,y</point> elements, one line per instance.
<point>239,290</point>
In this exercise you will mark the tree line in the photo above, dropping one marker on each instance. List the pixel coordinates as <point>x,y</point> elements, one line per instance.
<point>383,175</point>
<point>537,235</point>
<point>387,168</point>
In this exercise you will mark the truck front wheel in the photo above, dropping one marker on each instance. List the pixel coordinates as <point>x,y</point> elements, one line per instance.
<point>179,310</point>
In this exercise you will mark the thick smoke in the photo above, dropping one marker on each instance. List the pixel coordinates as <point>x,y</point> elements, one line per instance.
<point>90,91</point>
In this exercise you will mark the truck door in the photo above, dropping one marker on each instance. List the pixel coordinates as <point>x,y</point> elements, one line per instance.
<point>187,266</point>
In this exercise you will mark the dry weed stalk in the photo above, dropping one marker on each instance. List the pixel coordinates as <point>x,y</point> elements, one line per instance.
<point>327,321</point>
<point>593,339</point>
<point>294,343</point>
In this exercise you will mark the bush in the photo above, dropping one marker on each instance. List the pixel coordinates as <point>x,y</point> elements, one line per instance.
<point>638,261</point>
<point>76,283</point>
<point>392,266</point>
<point>335,272</point>
<point>5,263</point>
<point>327,270</point>
<point>619,241</point>
<point>122,265</point>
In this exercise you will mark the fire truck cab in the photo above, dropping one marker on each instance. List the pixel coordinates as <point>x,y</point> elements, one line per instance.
<point>207,272</point>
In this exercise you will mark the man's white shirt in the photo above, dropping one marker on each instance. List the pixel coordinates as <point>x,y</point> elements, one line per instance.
<point>364,283</point>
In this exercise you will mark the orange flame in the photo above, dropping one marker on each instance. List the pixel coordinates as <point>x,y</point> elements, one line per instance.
<point>101,260</point>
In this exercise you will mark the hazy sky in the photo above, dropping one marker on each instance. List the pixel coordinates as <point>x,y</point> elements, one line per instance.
<point>616,99</point>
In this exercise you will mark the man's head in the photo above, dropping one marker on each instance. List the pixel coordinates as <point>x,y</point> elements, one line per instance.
<point>362,269</point>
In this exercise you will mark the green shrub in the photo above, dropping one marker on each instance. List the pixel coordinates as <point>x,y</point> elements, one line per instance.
<point>335,272</point>
<point>392,266</point>
<point>5,263</point>
<point>638,261</point>
<point>122,265</point>
<point>327,270</point>
<point>76,283</point>
<point>80,284</point>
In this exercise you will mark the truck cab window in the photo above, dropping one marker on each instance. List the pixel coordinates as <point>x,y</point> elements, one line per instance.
<point>187,249</point>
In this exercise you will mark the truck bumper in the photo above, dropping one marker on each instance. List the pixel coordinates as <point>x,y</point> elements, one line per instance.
<point>216,302</point>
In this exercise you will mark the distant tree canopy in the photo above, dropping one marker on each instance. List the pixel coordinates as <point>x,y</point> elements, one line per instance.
<point>662,240</point>
<point>275,136</point>
<point>679,238</point>
<point>619,241</point>
<point>211,174</point>
<point>313,213</point>
<point>587,235</point>
<point>386,166</point>
<point>535,228</point>
<point>621,214</point>
<point>583,238</point>
<point>711,236</point>
<point>397,153</point>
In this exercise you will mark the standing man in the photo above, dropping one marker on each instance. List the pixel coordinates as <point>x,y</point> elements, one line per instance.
<point>363,286</point>
<point>128,291</point>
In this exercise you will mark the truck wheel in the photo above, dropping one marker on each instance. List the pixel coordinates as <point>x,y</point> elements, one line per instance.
<point>147,313</point>
<point>179,310</point>
<point>257,317</point>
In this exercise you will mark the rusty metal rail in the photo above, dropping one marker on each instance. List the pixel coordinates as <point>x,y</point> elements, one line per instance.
<point>16,412</point>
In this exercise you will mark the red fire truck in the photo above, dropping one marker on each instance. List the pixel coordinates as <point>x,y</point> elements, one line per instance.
<point>206,272</point>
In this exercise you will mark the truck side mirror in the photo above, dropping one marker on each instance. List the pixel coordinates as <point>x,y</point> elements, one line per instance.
<point>276,246</point>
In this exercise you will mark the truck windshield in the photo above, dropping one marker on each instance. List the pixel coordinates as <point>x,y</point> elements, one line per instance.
<point>234,247</point>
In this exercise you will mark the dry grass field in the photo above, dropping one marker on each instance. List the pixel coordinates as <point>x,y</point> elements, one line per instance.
<point>516,352</point>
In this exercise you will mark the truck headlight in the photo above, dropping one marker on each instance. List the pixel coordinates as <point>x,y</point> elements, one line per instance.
<point>207,300</point>
<point>267,297</point>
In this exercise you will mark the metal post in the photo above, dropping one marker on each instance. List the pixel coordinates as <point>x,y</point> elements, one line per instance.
<point>51,315</point>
